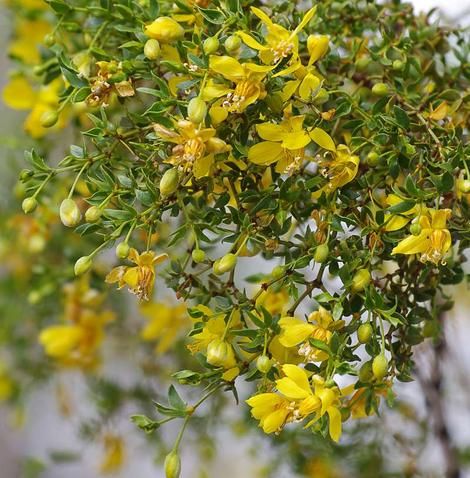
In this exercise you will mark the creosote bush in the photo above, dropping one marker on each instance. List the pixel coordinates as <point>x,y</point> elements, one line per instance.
<point>329,142</point>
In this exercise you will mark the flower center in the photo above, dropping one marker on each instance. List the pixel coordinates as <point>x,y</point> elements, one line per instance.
<point>234,100</point>
<point>282,50</point>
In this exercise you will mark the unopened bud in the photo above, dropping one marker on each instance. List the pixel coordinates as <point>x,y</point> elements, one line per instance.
<point>264,363</point>
<point>232,43</point>
<point>165,30</point>
<point>198,256</point>
<point>93,214</point>
<point>172,465</point>
<point>169,182</point>
<point>398,65</point>
<point>69,212</point>
<point>317,46</point>
<point>464,186</point>
<point>49,119</point>
<point>380,89</point>
<point>364,333</point>
<point>372,158</point>
<point>220,354</point>
<point>415,229</point>
<point>49,39</point>
<point>211,45</point>
<point>197,110</point>
<point>152,49</point>
<point>29,205</point>
<point>83,265</point>
<point>361,280</point>
<point>321,253</point>
<point>379,366</point>
<point>122,250</point>
<point>225,264</point>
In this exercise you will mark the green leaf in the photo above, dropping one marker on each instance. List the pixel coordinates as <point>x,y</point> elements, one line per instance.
<point>212,16</point>
<point>145,423</point>
<point>175,400</point>
<point>403,206</point>
<point>319,344</point>
<point>402,117</point>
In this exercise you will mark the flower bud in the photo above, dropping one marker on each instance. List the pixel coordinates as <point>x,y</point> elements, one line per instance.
<point>362,62</point>
<point>210,45</point>
<point>49,39</point>
<point>380,89</point>
<point>169,182</point>
<point>198,256</point>
<point>93,214</point>
<point>172,465</point>
<point>152,49</point>
<point>69,212</point>
<point>365,372</point>
<point>216,145</point>
<point>379,366</point>
<point>225,264</point>
<point>278,272</point>
<point>321,253</point>
<point>372,158</point>
<point>264,363</point>
<point>464,185</point>
<point>398,65</point>
<point>360,280</point>
<point>220,354</point>
<point>83,265</point>
<point>49,119</point>
<point>165,30</point>
<point>25,174</point>
<point>232,44</point>
<point>415,229</point>
<point>29,205</point>
<point>197,110</point>
<point>364,333</point>
<point>122,250</point>
<point>317,46</point>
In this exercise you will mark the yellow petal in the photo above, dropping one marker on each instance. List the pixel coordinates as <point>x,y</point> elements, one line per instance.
<point>262,16</point>
<point>297,140</point>
<point>202,166</point>
<point>294,331</point>
<point>307,17</point>
<point>323,139</point>
<point>440,112</point>
<point>227,66</point>
<point>290,389</point>
<point>275,420</point>
<point>335,423</point>
<point>413,244</point>
<point>159,258</point>
<point>317,46</point>
<point>298,375</point>
<point>395,222</point>
<point>265,153</point>
<point>250,41</point>
<point>18,94</point>
<point>309,87</point>
<point>270,131</point>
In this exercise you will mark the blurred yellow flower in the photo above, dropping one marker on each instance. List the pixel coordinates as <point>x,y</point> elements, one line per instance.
<point>29,34</point>
<point>114,453</point>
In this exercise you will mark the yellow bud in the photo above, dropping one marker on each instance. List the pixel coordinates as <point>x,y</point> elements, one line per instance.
<point>197,110</point>
<point>364,333</point>
<point>198,256</point>
<point>220,354</point>
<point>225,264</point>
<point>321,253</point>
<point>172,465</point>
<point>29,205</point>
<point>379,366</point>
<point>211,45</point>
<point>93,214</point>
<point>70,214</point>
<point>83,265</point>
<point>49,119</point>
<point>317,46</point>
<point>169,182</point>
<point>165,30</point>
<point>361,280</point>
<point>122,250</point>
<point>380,89</point>
<point>232,44</point>
<point>264,363</point>
<point>152,49</point>
<point>216,145</point>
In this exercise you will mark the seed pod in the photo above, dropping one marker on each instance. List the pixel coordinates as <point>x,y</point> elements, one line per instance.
<point>69,212</point>
<point>372,158</point>
<point>152,49</point>
<point>169,182</point>
<point>83,265</point>
<point>197,110</point>
<point>49,119</point>
<point>122,250</point>
<point>321,253</point>
<point>165,30</point>
<point>264,363</point>
<point>278,272</point>
<point>210,45</point>
<point>364,333</point>
<point>232,44</point>
<point>380,89</point>
<point>93,214</point>
<point>415,229</point>
<point>379,366</point>
<point>227,263</point>
<point>198,256</point>
<point>172,465</point>
<point>361,280</point>
<point>29,205</point>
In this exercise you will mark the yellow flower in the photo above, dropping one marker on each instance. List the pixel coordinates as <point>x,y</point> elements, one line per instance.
<point>247,77</point>
<point>165,325</point>
<point>296,331</point>
<point>284,144</point>
<point>434,240</point>
<point>271,410</point>
<point>340,170</point>
<point>6,383</point>
<point>280,42</point>
<point>195,148</point>
<point>29,34</point>
<point>114,453</point>
<point>18,94</point>
<point>139,279</point>
<point>395,222</point>
<point>165,30</point>
<point>273,302</point>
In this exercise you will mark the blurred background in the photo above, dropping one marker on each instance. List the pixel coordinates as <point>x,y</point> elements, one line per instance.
<point>40,442</point>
